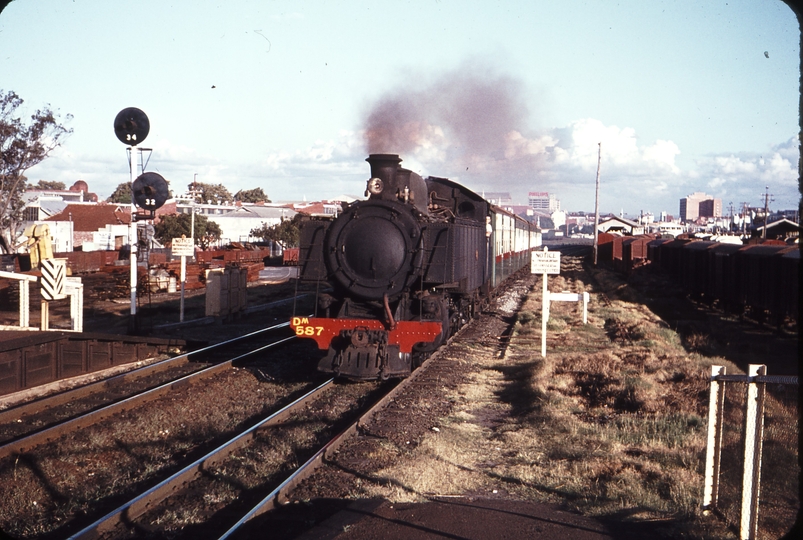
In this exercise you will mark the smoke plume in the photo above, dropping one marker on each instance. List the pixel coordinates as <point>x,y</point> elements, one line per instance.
<point>469,120</point>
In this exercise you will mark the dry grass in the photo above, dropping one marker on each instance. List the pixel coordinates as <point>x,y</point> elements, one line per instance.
<point>611,423</point>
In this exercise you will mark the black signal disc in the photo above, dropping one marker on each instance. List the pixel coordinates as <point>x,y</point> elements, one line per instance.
<point>131,126</point>
<point>150,191</point>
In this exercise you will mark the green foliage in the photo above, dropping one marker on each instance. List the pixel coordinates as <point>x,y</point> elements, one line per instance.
<point>22,145</point>
<point>46,184</point>
<point>121,194</point>
<point>176,225</point>
<point>217,193</point>
<point>251,196</point>
<point>287,233</point>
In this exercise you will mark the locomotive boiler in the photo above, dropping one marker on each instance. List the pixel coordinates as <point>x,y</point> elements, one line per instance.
<point>399,272</point>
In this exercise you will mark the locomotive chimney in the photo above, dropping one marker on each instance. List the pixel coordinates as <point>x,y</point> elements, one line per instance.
<point>383,166</point>
<point>397,184</point>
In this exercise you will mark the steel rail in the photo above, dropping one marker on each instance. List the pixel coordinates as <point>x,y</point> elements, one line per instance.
<point>89,389</point>
<point>142,503</point>
<point>280,493</point>
<point>53,432</point>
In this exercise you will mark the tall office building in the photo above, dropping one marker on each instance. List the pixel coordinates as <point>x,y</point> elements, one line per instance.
<point>698,204</point>
<point>542,200</point>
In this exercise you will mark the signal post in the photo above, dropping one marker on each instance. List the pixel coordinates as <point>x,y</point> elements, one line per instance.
<point>545,262</point>
<point>149,191</point>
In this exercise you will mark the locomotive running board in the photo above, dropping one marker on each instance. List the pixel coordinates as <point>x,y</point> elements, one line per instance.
<point>405,335</point>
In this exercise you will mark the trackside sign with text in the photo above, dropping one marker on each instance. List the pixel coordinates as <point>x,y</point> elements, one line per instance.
<point>545,262</point>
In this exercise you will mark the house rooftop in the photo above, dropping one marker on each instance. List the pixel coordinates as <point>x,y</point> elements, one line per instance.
<point>93,217</point>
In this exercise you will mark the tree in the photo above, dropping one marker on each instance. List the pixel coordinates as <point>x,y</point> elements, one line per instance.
<point>47,184</point>
<point>22,146</point>
<point>287,233</point>
<point>251,196</point>
<point>217,193</point>
<point>121,194</point>
<point>173,226</point>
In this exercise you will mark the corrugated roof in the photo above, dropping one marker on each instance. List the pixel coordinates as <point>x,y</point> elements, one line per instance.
<point>51,208</point>
<point>93,217</point>
<point>259,212</point>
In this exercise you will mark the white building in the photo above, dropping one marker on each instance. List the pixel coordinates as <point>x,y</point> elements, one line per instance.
<point>543,200</point>
<point>621,225</point>
<point>236,224</point>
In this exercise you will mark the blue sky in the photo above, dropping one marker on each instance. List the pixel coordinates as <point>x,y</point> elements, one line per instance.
<point>501,96</point>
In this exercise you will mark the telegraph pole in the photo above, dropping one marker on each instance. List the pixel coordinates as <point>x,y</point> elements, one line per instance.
<point>767,198</point>
<point>596,206</point>
<point>193,193</point>
<point>745,206</point>
<point>730,225</point>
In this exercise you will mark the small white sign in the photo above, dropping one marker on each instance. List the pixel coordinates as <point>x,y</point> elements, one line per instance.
<point>564,297</point>
<point>545,262</point>
<point>183,247</point>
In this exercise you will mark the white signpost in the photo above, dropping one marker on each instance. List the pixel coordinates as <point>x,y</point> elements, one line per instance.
<point>545,262</point>
<point>548,262</point>
<point>184,247</point>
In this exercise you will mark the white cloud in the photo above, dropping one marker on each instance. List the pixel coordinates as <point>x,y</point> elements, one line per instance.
<point>636,175</point>
<point>662,154</point>
<point>733,165</point>
<point>779,169</point>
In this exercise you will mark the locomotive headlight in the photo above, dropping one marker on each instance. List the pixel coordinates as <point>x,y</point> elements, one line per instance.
<point>375,186</point>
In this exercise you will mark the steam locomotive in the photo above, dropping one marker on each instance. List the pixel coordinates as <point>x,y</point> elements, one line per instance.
<point>398,273</point>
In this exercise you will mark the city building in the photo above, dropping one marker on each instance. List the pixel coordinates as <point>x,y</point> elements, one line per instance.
<point>616,224</point>
<point>501,198</point>
<point>542,200</point>
<point>236,226</point>
<point>711,208</point>
<point>82,227</point>
<point>40,204</point>
<point>698,204</point>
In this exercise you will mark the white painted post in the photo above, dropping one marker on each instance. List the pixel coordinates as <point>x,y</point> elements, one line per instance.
<point>586,298</point>
<point>183,279</point>
<point>544,313</point>
<point>132,239</point>
<point>75,290</point>
<point>182,247</point>
<point>713,449</point>
<point>25,301</point>
<point>544,263</point>
<point>25,297</point>
<point>44,321</point>
<point>753,435</point>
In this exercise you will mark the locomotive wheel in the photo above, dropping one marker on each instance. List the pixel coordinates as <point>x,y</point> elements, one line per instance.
<point>418,359</point>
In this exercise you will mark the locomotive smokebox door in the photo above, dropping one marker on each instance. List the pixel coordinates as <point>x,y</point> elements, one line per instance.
<point>371,249</point>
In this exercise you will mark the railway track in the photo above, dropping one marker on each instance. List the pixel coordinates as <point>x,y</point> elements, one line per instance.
<point>144,513</point>
<point>190,488</point>
<point>257,488</point>
<point>128,513</point>
<point>114,390</point>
